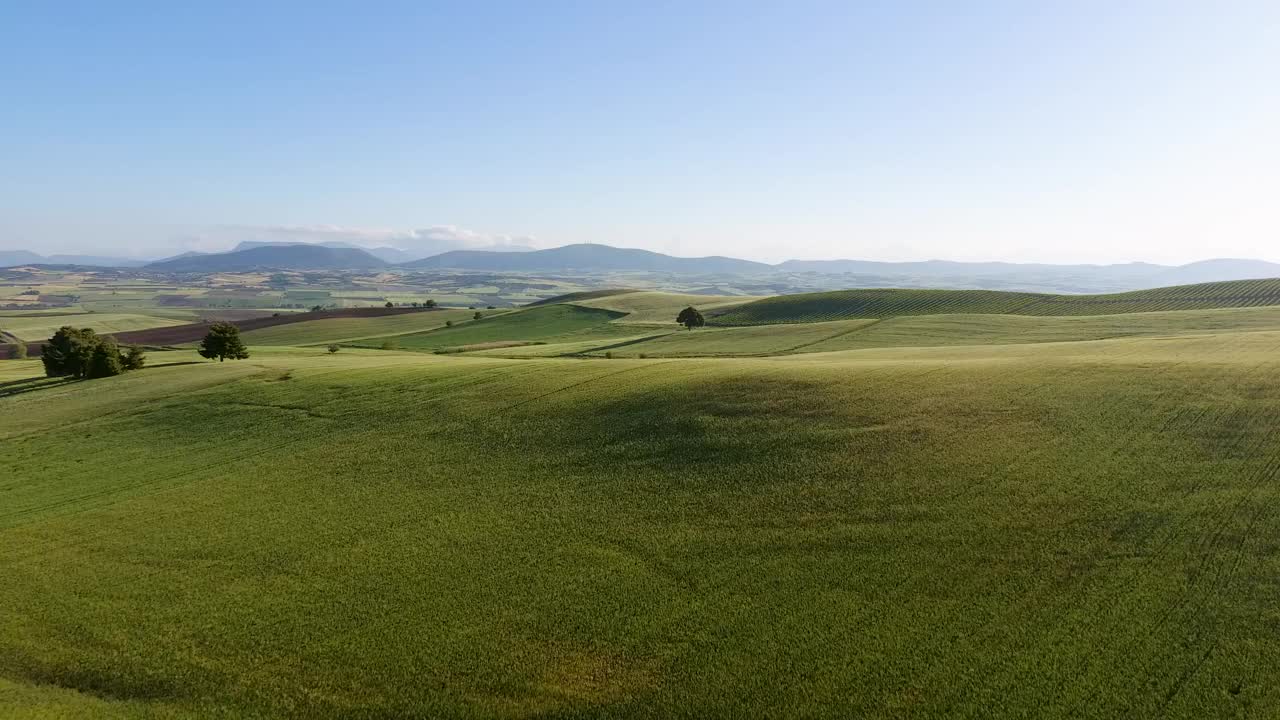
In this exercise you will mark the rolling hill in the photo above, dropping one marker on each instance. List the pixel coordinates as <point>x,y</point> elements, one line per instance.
<point>269,257</point>
<point>1068,529</point>
<point>876,303</point>
<point>584,257</point>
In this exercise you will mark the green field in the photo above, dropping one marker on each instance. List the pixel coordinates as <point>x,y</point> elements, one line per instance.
<point>546,323</point>
<point>741,341</point>
<point>923,516</point>
<point>658,307</point>
<point>998,531</point>
<point>877,303</point>
<point>342,329</point>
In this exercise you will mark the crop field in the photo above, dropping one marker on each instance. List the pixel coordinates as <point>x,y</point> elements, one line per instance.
<point>877,303</point>
<point>1065,529</point>
<point>546,323</point>
<point>40,326</point>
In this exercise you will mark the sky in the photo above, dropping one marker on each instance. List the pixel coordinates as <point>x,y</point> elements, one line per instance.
<point>1075,131</point>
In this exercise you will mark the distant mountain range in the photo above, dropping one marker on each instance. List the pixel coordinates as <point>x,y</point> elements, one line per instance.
<point>10,258</point>
<point>586,258</point>
<point>272,257</point>
<point>385,254</point>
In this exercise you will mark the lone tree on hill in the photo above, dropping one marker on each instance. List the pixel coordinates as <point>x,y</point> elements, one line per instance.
<point>428,303</point>
<point>389,304</point>
<point>333,349</point>
<point>82,353</point>
<point>222,342</point>
<point>690,318</point>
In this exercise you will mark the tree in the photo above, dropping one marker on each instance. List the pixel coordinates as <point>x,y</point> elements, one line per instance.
<point>317,308</point>
<point>448,323</point>
<point>134,359</point>
<point>389,304</point>
<point>388,344</point>
<point>20,351</point>
<point>104,360</point>
<point>222,342</point>
<point>68,352</point>
<point>428,303</point>
<point>690,318</point>
<point>333,349</point>
<point>477,316</point>
<point>81,353</point>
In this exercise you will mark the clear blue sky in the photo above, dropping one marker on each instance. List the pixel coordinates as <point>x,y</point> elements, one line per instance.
<point>1058,131</point>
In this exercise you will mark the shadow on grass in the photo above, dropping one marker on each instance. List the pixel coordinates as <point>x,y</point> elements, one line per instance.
<point>18,387</point>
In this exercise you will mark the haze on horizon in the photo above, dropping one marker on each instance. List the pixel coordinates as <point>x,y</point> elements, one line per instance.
<point>1082,131</point>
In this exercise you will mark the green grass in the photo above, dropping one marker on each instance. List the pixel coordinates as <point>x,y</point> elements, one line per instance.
<point>34,327</point>
<point>545,323</point>
<point>343,329</point>
<point>659,307</point>
<point>571,349</point>
<point>741,341</point>
<point>1035,530</point>
<point>577,297</point>
<point>884,303</point>
<point>928,330</point>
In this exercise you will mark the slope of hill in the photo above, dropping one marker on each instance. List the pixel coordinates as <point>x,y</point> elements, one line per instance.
<point>292,257</point>
<point>842,304</point>
<point>660,307</point>
<point>1011,531</point>
<point>586,257</point>
<point>548,323</point>
<point>579,296</point>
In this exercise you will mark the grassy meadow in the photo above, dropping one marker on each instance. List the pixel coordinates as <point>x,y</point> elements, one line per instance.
<point>546,323</point>
<point>919,516</point>
<point>349,329</point>
<point>884,303</point>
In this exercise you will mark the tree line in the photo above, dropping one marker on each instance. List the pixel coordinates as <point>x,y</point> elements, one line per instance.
<point>83,354</point>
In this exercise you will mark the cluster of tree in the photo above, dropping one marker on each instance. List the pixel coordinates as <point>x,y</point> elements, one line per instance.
<point>428,303</point>
<point>82,353</point>
<point>690,318</point>
<point>222,342</point>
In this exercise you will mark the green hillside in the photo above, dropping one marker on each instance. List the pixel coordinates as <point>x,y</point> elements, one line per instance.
<point>340,329</point>
<point>998,531</point>
<point>574,297</point>
<point>660,307</point>
<point>914,331</point>
<point>885,303</point>
<point>739,341</point>
<point>546,323</point>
